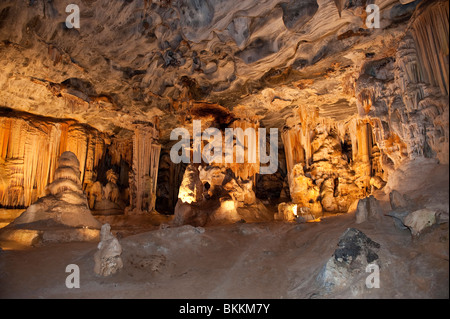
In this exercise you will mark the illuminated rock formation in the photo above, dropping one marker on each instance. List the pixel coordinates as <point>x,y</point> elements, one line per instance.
<point>406,96</point>
<point>29,148</point>
<point>212,195</point>
<point>330,163</point>
<point>62,215</point>
<point>368,209</point>
<point>251,163</point>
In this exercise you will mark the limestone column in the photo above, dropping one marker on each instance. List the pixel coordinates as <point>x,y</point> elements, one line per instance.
<point>146,151</point>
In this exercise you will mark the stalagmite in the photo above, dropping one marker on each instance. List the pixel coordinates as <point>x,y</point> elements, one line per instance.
<point>62,215</point>
<point>29,148</point>
<point>107,259</point>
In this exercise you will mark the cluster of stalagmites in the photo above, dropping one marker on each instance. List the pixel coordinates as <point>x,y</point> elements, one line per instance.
<point>211,194</point>
<point>330,165</point>
<point>62,215</point>
<point>403,113</point>
<point>105,200</point>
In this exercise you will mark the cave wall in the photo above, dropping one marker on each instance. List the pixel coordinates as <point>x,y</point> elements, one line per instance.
<point>405,95</point>
<point>31,144</point>
<point>399,93</point>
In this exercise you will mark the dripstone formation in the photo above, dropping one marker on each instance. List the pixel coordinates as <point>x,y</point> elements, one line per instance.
<point>60,216</point>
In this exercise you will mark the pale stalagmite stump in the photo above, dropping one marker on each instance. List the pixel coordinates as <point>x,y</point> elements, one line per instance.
<point>107,259</point>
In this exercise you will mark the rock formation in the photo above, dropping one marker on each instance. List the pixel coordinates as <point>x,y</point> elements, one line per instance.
<point>30,146</point>
<point>107,259</point>
<point>418,220</point>
<point>105,200</point>
<point>61,215</point>
<point>144,176</point>
<point>368,209</point>
<point>293,212</point>
<point>212,195</point>
<point>348,264</point>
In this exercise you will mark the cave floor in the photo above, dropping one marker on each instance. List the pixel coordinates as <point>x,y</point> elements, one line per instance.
<point>244,260</point>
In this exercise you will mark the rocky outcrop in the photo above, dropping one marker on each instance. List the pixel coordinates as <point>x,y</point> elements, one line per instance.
<point>418,220</point>
<point>349,261</point>
<point>368,209</point>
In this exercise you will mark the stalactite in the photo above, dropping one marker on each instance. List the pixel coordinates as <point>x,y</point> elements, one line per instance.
<point>29,148</point>
<point>121,148</point>
<point>431,32</point>
<point>246,170</point>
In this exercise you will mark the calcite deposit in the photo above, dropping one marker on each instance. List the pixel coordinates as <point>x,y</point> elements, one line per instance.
<point>107,259</point>
<point>211,195</point>
<point>61,215</point>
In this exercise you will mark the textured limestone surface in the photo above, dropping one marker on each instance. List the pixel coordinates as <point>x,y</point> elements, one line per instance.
<point>132,60</point>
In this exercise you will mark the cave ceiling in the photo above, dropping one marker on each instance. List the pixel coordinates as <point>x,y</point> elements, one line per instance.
<point>132,60</point>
